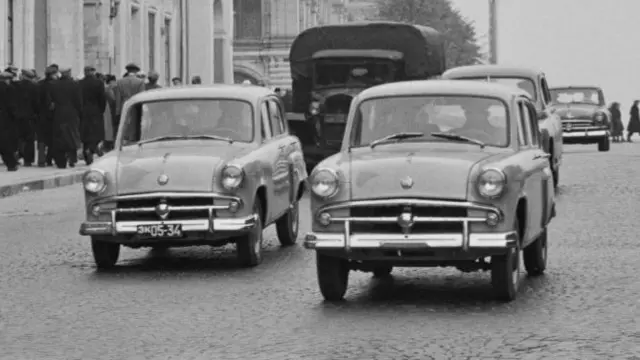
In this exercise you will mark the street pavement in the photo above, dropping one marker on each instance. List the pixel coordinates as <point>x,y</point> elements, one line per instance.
<point>196,304</point>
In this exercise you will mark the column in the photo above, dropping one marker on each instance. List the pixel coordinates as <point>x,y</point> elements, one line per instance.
<point>227,41</point>
<point>3,33</point>
<point>28,35</point>
<point>200,46</point>
<point>66,44</point>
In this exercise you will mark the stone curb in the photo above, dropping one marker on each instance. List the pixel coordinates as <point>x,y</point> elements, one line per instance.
<point>52,182</point>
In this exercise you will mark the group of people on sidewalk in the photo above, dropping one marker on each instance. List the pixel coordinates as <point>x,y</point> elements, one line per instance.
<point>617,128</point>
<point>59,115</point>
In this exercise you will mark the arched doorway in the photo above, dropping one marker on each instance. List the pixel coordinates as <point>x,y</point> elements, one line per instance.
<point>243,73</point>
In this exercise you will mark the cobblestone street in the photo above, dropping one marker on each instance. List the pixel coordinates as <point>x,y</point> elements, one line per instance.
<point>195,303</point>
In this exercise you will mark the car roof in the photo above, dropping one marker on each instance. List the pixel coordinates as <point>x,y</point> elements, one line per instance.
<point>249,93</point>
<point>576,87</point>
<point>491,70</point>
<point>443,87</point>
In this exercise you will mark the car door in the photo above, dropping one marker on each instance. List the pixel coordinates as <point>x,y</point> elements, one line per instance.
<point>547,194</point>
<point>294,155</point>
<point>554,123</point>
<point>281,166</point>
<point>269,154</point>
<point>533,156</point>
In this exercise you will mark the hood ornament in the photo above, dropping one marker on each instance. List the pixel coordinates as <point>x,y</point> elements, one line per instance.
<point>163,179</point>
<point>570,115</point>
<point>162,209</point>
<point>406,183</point>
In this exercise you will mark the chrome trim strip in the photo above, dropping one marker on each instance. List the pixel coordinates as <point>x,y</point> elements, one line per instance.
<point>175,195</point>
<point>369,241</point>
<point>585,134</point>
<point>171,208</point>
<point>408,202</point>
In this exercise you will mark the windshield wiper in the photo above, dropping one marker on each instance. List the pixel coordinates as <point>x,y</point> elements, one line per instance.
<point>396,136</point>
<point>185,137</point>
<point>456,137</point>
<point>160,138</point>
<point>209,137</point>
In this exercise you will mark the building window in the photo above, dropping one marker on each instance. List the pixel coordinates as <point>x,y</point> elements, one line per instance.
<point>167,51</point>
<point>248,19</point>
<point>9,44</point>
<point>151,23</point>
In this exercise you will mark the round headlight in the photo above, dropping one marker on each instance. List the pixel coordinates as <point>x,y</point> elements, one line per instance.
<point>314,108</point>
<point>232,177</point>
<point>599,117</point>
<point>94,181</point>
<point>324,183</point>
<point>491,183</point>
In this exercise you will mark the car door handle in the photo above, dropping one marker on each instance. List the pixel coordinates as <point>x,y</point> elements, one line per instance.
<point>541,156</point>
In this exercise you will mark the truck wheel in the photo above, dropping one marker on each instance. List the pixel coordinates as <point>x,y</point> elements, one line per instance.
<point>249,246</point>
<point>105,253</point>
<point>505,272</point>
<point>288,224</point>
<point>604,144</point>
<point>333,276</point>
<point>382,271</point>
<point>535,255</point>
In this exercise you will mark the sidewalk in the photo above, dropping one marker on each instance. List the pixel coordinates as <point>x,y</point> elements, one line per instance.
<point>35,179</point>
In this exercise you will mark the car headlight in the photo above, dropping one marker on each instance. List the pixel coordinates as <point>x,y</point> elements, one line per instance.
<point>491,183</point>
<point>94,181</point>
<point>314,108</point>
<point>324,183</point>
<point>600,117</point>
<point>232,177</point>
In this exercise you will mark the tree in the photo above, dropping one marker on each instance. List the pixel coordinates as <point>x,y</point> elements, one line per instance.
<point>460,34</point>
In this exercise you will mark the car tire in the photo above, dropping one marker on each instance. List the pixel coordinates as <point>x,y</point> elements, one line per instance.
<point>288,225</point>
<point>505,271</point>
<point>555,173</point>
<point>604,144</point>
<point>382,271</point>
<point>105,253</point>
<point>535,255</point>
<point>333,276</point>
<point>249,246</point>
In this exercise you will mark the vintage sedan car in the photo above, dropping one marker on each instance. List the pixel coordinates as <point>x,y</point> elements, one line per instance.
<point>434,173</point>
<point>206,165</point>
<point>534,83</point>
<point>584,114</point>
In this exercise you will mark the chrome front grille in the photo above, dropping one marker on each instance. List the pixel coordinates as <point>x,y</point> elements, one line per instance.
<point>395,211</point>
<point>579,125</point>
<point>190,208</point>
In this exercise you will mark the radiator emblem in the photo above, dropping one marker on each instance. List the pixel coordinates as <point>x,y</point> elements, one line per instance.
<point>162,209</point>
<point>406,183</point>
<point>405,221</point>
<point>163,179</point>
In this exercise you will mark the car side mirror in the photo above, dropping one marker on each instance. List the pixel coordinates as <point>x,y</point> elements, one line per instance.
<point>542,115</point>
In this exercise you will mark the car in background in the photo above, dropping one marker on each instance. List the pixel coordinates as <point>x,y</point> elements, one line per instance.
<point>434,174</point>
<point>584,114</point>
<point>534,83</point>
<point>205,165</point>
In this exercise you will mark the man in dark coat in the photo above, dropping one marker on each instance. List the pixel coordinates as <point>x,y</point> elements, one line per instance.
<point>153,81</point>
<point>8,125</point>
<point>26,106</point>
<point>67,112</point>
<point>93,107</point>
<point>633,127</point>
<point>44,127</point>
<point>125,88</point>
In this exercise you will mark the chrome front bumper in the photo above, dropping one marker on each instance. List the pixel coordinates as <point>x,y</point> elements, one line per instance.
<point>585,134</point>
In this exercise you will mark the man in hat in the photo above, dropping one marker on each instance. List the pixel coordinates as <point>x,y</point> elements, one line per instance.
<point>25,112</point>
<point>176,81</point>
<point>67,112</point>
<point>125,88</point>
<point>196,80</point>
<point>13,71</point>
<point>94,103</point>
<point>8,125</point>
<point>45,117</point>
<point>153,80</point>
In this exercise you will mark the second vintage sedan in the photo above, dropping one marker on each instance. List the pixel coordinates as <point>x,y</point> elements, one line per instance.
<point>584,114</point>
<point>434,173</point>
<point>206,165</point>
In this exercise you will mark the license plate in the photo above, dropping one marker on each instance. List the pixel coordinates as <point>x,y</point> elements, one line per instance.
<point>160,230</point>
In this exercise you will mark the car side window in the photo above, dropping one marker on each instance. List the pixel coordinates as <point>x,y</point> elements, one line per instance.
<point>265,121</point>
<point>546,94</point>
<point>525,123</point>
<point>283,117</point>
<point>275,117</point>
<point>535,131</point>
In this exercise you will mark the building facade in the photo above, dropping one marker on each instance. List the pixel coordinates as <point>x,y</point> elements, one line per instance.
<point>265,29</point>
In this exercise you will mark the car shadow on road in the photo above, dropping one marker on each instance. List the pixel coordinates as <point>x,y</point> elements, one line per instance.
<point>442,294</point>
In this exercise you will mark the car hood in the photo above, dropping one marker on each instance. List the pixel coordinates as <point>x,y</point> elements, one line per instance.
<point>189,167</point>
<point>436,174</point>
<point>576,111</point>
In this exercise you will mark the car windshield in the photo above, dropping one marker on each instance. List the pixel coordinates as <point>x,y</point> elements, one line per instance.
<point>175,119</point>
<point>516,82</point>
<point>482,119</point>
<point>576,96</point>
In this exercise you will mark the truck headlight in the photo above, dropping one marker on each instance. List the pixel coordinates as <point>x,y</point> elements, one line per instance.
<point>491,183</point>
<point>324,183</point>
<point>232,177</point>
<point>94,181</point>
<point>314,108</point>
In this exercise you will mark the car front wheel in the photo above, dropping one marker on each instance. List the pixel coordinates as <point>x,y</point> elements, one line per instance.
<point>287,226</point>
<point>604,144</point>
<point>333,276</point>
<point>249,246</point>
<point>105,253</point>
<point>535,255</point>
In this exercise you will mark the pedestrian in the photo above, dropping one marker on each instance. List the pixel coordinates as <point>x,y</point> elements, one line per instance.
<point>633,127</point>
<point>176,81</point>
<point>94,103</point>
<point>617,128</point>
<point>110,111</point>
<point>125,88</point>
<point>44,128</point>
<point>153,80</point>
<point>67,114</point>
<point>8,125</point>
<point>196,80</point>
<point>142,75</point>
<point>25,105</point>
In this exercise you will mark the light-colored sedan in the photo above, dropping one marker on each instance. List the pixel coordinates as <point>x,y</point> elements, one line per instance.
<point>204,165</point>
<point>434,173</point>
